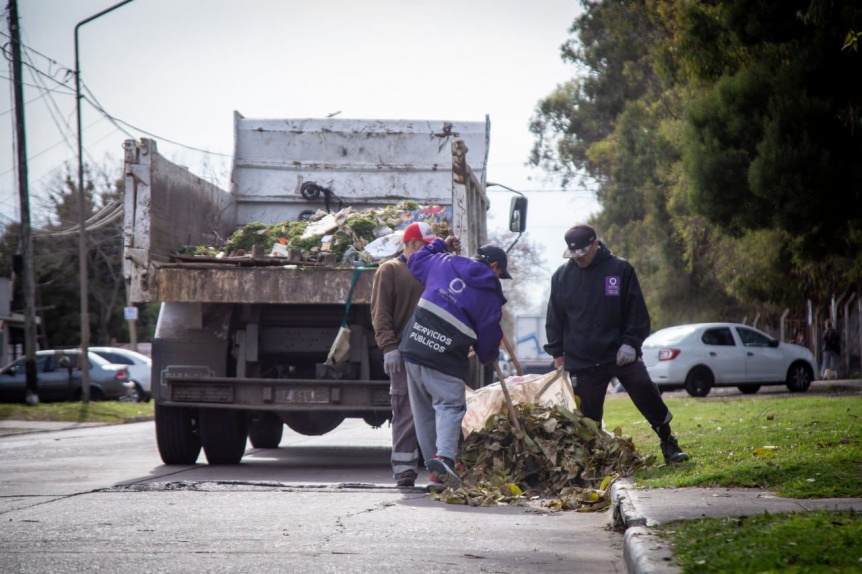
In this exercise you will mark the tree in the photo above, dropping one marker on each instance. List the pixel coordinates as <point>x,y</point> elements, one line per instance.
<point>775,144</point>
<point>724,139</point>
<point>55,247</point>
<point>527,266</point>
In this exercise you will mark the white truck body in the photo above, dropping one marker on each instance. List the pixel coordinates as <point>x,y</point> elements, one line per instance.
<point>239,350</point>
<point>531,338</point>
<point>530,341</point>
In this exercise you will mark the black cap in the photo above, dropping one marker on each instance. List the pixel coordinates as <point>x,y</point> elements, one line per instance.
<point>579,237</point>
<point>493,254</point>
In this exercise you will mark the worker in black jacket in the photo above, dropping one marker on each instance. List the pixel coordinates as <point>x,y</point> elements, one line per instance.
<point>597,320</point>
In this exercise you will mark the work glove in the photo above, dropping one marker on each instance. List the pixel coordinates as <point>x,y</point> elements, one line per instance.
<point>626,355</point>
<point>392,362</point>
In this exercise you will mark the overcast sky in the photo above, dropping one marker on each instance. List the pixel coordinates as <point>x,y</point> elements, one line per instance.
<point>178,70</point>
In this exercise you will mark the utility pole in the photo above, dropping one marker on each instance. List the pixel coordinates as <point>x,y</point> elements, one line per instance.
<point>82,218</point>
<point>29,282</point>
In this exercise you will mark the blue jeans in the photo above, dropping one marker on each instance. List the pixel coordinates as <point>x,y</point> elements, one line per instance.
<point>830,361</point>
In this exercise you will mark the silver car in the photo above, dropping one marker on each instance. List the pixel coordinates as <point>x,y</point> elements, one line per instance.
<point>139,367</point>
<point>58,378</point>
<point>700,356</point>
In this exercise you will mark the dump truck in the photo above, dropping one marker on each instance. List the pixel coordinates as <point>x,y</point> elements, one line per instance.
<point>530,340</point>
<point>241,343</point>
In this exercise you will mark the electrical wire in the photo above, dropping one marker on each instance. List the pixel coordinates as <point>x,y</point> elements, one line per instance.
<point>110,212</point>
<point>116,120</point>
<point>54,111</point>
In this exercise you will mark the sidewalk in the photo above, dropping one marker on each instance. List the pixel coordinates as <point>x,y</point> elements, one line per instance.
<point>636,510</point>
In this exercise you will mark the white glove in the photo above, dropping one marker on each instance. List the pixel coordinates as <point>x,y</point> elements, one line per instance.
<point>626,355</point>
<point>392,362</point>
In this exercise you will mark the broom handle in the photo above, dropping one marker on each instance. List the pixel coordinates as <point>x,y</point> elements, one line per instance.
<point>513,414</point>
<point>512,356</point>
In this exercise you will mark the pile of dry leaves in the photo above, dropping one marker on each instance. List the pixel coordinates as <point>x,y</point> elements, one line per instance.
<point>558,457</point>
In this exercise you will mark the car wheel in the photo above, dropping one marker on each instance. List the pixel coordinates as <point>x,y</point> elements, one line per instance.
<point>265,430</point>
<point>139,394</point>
<point>799,377</point>
<point>96,394</point>
<point>177,435</point>
<point>224,433</point>
<point>748,389</point>
<point>699,382</point>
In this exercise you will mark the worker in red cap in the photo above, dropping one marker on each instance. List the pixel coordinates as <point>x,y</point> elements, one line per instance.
<point>394,295</point>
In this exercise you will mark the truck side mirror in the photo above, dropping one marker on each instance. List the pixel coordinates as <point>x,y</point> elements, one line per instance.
<point>518,214</point>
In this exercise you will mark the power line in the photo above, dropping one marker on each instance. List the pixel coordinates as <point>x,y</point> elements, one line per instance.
<point>93,101</point>
<point>117,120</point>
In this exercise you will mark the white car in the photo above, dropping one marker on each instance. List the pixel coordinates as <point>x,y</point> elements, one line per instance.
<point>139,367</point>
<point>705,355</point>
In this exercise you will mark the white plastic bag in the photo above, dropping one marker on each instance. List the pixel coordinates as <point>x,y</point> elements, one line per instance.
<point>546,390</point>
<point>382,247</point>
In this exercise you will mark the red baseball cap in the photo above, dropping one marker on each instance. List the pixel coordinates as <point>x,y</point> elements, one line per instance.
<point>419,230</point>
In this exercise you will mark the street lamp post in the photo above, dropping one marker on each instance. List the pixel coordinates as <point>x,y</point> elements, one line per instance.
<point>82,220</point>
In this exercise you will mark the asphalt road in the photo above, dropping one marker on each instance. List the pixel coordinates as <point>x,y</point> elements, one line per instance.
<point>99,499</point>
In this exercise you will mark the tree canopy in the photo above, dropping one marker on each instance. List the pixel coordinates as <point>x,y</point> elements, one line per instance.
<point>56,262</point>
<point>725,139</point>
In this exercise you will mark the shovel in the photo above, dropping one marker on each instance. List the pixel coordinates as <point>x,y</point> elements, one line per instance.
<point>531,468</point>
<point>340,349</point>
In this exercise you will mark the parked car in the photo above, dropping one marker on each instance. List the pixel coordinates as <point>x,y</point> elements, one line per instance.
<point>701,356</point>
<point>58,378</point>
<point>139,366</point>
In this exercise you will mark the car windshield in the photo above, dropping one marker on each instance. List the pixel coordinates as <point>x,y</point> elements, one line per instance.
<point>671,335</point>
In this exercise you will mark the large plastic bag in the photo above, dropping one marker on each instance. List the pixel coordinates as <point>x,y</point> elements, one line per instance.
<point>386,246</point>
<point>546,390</point>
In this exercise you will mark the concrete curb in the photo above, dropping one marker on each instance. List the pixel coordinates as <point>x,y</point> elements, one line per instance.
<point>646,553</point>
<point>643,551</point>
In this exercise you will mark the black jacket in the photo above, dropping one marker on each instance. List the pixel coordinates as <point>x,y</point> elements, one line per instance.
<point>595,310</point>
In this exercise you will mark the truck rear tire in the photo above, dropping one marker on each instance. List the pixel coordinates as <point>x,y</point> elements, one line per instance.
<point>224,433</point>
<point>265,430</point>
<point>177,435</point>
<point>314,423</point>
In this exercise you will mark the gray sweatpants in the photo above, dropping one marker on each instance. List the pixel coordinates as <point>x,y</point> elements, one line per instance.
<point>405,448</point>
<point>439,404</point>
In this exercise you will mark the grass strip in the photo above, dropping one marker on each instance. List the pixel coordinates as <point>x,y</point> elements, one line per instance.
<point>92,412</point>
<point>814,541</point>
<point>801,446</point>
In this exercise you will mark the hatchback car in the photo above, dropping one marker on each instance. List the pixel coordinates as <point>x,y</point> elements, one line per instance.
<point>701,356</point>
<point>58,378</point>
<point>139,366</point>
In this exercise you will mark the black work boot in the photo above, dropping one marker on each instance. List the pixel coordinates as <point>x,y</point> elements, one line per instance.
<point>671,451</point>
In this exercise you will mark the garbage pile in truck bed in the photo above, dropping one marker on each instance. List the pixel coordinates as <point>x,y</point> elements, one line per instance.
<point>559,457</point>
<point>348,237</point>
